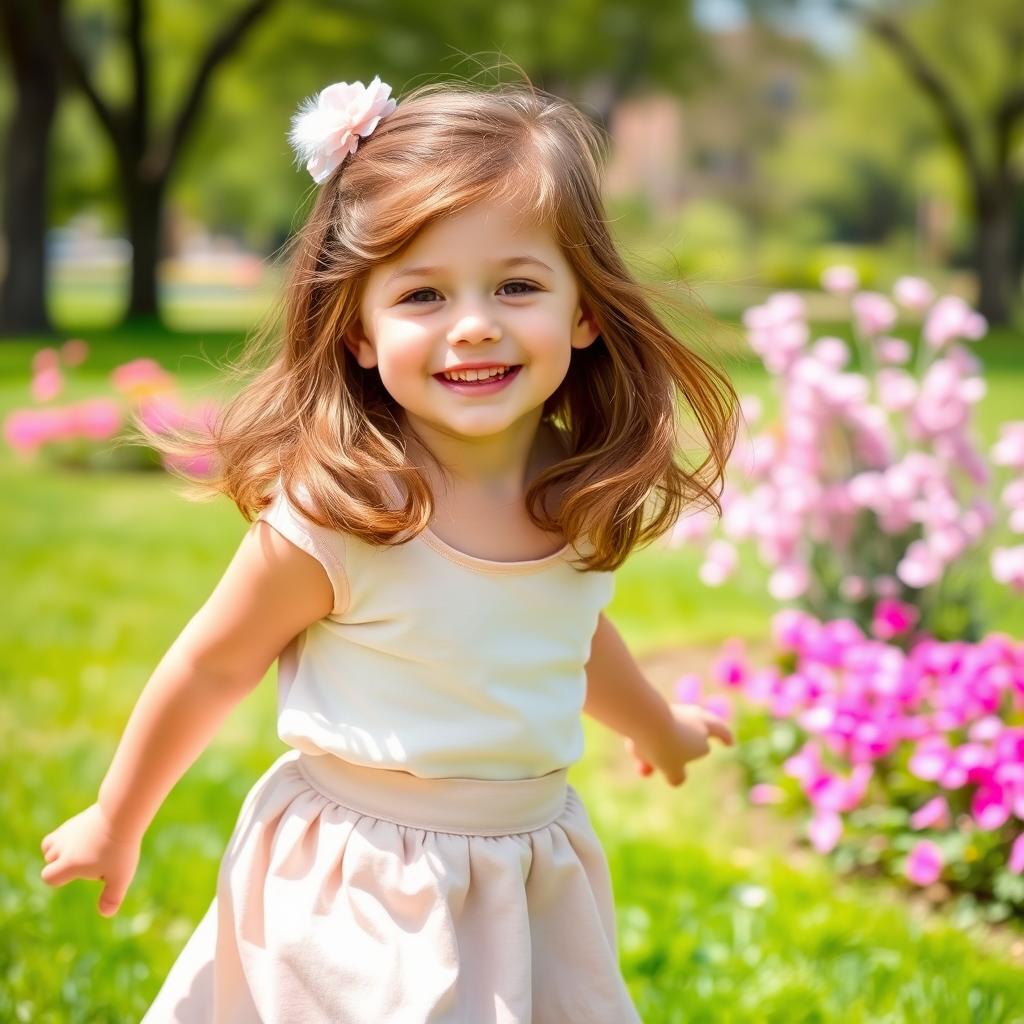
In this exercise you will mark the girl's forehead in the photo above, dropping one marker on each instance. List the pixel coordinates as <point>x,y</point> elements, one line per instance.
<point>481,234</point>
<point>482,224</point>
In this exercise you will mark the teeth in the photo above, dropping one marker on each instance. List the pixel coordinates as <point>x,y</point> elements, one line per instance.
<point>472,375</point>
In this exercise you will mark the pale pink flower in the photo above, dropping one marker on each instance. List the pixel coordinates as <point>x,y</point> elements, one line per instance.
<point>329,125</point>
<point>686,688</point>
<point>893,350</point>
<point>98,418</point>
<point>919,567</point>
<point>833,352</point>
<point>74,351</point>
<point>873,313</point>
<point>47,383</point>
<point>45,359</point>
<point>897,389</point>
<point>840,280</point>
<point>194,465</point>
<point>825,830</point>
<point>853,588</point>
<point>951,318</point>
<point>718,706</point>
<point>924,863</point>
<point>789,581</point>
<point>1009,449</point>
<point>162,412</point>
<point>913,292</point>
<point>1008,566</point>
<point>719,564</point>
<point>764,793</point>
<point>142,376</point>
<point>752,408</point>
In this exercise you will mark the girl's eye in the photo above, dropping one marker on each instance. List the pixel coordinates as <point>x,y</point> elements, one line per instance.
<point>411,297</point>
<point>525,286</point>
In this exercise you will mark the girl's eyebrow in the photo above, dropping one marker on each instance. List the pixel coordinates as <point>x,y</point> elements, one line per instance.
<point>512,261</point>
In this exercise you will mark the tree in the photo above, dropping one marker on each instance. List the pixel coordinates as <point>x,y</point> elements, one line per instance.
<point>26,161</point>
<point>978,105</point>
<point>147,156</point>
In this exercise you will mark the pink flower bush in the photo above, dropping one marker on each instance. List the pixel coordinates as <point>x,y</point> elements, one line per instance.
<point>87,431</point>
<point>934,732</point>
<point>871,485</point>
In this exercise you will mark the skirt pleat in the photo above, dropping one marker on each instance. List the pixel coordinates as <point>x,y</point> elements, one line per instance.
<point>332,909</point>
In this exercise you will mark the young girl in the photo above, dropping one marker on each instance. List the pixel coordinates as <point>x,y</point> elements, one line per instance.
<point>450,452</point>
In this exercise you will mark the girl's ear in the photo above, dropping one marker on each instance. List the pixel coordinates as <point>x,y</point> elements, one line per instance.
<point>585,328</point>
<point>360,346</point>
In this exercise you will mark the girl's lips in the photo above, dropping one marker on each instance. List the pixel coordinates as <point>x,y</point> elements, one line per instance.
<point>469,388</point>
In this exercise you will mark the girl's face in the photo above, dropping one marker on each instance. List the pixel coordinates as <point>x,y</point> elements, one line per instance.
<point>478,287</point>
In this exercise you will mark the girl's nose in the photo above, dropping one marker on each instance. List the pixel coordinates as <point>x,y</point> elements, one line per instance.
<point>474,326</point>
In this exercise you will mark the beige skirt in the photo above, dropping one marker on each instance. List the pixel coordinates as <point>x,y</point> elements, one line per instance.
<point>353,895</point>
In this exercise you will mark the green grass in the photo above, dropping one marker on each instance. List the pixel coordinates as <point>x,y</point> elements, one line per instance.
<point>720,918</point>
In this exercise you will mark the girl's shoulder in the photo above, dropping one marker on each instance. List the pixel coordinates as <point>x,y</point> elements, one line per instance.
<point>327,546</point>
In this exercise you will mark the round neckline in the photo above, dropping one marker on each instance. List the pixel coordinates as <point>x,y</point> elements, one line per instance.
<point>473,561</point>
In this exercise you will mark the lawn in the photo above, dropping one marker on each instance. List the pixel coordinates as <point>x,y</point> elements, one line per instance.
<point>721,917</point>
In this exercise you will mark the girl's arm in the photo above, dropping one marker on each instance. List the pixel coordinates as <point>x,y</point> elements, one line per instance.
<point>658,734</point>
<point>271,591</point>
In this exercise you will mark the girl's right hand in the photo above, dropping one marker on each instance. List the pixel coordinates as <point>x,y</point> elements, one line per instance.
<point>84,847</point>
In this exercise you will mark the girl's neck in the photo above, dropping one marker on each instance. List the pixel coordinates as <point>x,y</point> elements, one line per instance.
<point>499,466</point>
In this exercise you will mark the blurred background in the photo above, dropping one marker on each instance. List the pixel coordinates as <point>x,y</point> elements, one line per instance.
<point>146,171</point>
<point>843,172</point>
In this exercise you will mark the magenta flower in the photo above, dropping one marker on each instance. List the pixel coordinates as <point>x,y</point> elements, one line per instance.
<point>1016,861</point>
<point>933,814</point>
<point>990,806</point>
<point>892,618</point>
<point>924,863</point>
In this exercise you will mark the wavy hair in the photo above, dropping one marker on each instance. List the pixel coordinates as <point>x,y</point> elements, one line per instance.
<point>313,416</point>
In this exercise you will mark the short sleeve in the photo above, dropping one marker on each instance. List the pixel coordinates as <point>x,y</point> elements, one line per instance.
<point>325,545</point>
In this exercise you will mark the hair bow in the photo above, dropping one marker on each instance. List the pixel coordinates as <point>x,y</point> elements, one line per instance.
<point>328,126</point>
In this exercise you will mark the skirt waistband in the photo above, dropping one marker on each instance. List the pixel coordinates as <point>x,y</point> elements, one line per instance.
<point>465,806</point>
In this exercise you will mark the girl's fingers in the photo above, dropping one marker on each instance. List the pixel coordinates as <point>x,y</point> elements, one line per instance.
<point>112,897</point>
<point>56,874</point>
<point>717,728</point>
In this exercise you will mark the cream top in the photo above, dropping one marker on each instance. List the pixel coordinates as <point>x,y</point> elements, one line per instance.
<point>436,662</point>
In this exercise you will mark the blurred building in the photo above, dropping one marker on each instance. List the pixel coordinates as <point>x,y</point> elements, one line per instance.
<point>708,144</point>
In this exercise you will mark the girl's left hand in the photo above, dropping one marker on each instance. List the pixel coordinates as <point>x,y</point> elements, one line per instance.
<point>687,739</point>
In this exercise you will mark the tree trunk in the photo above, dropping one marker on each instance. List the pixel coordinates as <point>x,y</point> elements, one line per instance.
<point>143,201</point>
<point>23,292</point>
<point>996,257</point>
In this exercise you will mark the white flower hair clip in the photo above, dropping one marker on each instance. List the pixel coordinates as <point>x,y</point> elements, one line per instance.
<point>328,126</point>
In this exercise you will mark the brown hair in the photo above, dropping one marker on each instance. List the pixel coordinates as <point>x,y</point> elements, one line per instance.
<point>315,417</point>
